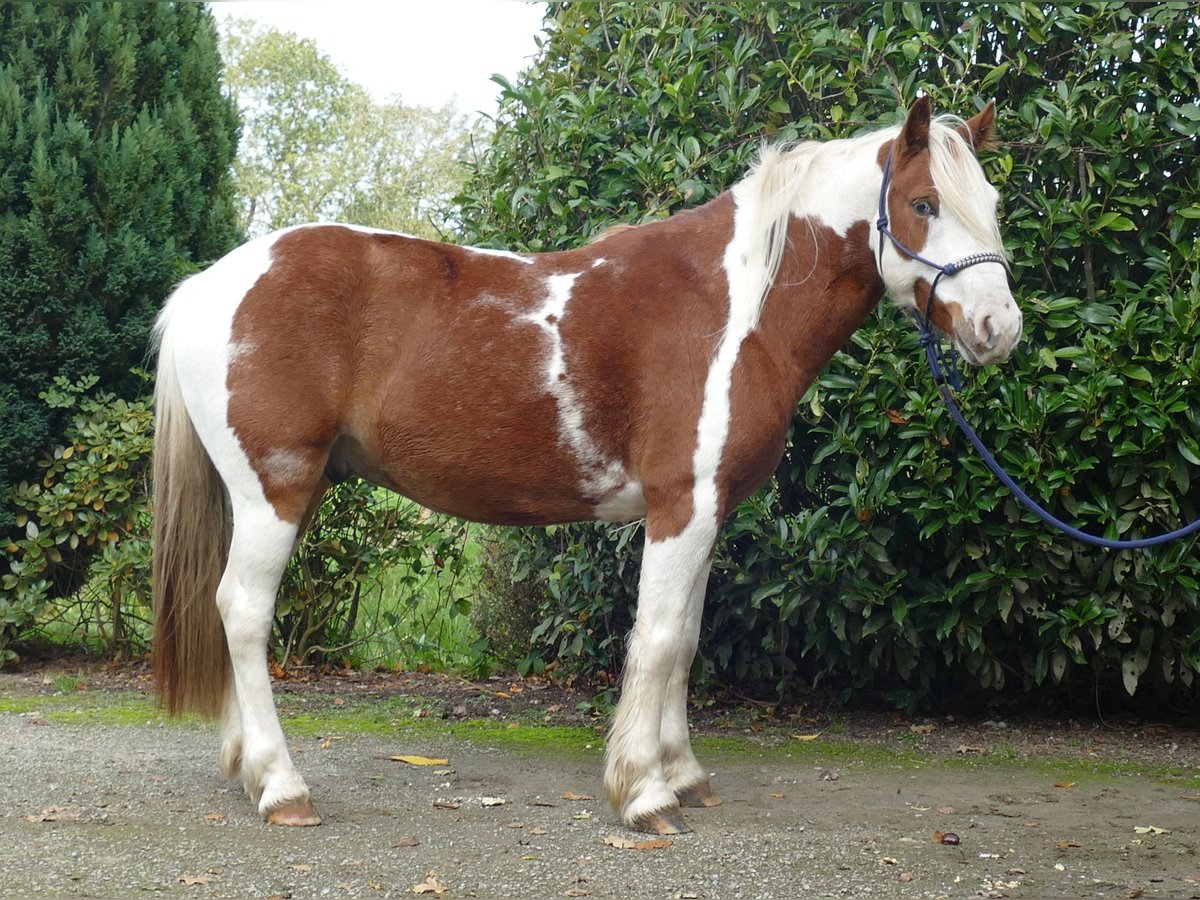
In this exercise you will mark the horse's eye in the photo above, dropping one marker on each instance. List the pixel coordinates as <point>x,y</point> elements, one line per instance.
<point>924,208</point>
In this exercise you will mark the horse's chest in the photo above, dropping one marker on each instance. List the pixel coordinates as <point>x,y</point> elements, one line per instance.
<point>761,403</point>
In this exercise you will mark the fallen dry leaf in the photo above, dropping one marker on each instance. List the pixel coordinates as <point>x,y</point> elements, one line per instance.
<point>946,810</point>
<point>193,879</point>
<point>541,803</point>
<point>538,830</point>
<point>1063,784</point>
<point>571,795</point>
<point>446,804</point>
<point>907,876</point>
<point>776,796</point>
<point>653,844</point>
<point>406,842</point>
<point>807,737</point>
<point>921,729</point>
<point>430,885</point>
<point>214,817</point>
<point>578,892</point>
<point>487,802</point>
<point>1195,797</point>
<point>967,748</point>
<point>621,843</point>
<point>420,760</point>
<point>1150,829</point>
<point>889,861</point>
<point>301,867</point>
<point>1067,845</point>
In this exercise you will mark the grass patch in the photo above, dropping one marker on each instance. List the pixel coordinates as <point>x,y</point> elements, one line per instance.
<point>308,717</point>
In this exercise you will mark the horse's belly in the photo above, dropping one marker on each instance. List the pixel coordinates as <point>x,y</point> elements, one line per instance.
<point>503,472</point>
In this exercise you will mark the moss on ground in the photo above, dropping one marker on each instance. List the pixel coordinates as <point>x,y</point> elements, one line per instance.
<point>315,716</point>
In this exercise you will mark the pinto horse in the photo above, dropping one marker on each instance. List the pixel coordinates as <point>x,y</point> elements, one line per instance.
<point>651,374</point>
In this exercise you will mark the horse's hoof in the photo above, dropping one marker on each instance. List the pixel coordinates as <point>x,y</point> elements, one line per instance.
<point>699,795</point>
<point>297,813</point>
<point>669,821</point>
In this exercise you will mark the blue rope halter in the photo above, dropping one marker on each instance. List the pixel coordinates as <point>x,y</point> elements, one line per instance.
<point>939,357</point>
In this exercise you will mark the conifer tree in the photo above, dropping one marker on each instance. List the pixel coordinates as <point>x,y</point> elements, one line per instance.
<point>115,148</point>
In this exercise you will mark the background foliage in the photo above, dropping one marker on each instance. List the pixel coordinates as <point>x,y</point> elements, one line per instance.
<point>317,148</point>
<point>882,554</point>
<point>314,147</point>
<point>115,146</point>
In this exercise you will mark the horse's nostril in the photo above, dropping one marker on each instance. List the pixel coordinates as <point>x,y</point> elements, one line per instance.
<point>988,332</point>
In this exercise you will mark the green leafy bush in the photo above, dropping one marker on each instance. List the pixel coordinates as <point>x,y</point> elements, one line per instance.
<point>332,604</point>
<point>86,524</point>
<point>882,554</point>
<point>79,569</point>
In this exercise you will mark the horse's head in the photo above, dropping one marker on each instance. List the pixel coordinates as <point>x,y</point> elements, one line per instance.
<point>940,251</point>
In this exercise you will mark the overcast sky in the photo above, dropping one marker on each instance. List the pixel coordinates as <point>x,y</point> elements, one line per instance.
<point>427,51</point>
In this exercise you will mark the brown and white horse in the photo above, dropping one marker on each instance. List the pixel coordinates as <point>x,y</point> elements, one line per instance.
<point>649,375</point>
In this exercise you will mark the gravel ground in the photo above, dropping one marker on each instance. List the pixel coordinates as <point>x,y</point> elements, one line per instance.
<point>121,810</point>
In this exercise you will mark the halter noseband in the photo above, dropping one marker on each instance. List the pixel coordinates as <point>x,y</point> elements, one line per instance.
<point>924,320</point>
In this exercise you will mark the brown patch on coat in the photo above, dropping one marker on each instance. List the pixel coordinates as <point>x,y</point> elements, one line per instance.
<point>422,367</point>
<point>809,314</point>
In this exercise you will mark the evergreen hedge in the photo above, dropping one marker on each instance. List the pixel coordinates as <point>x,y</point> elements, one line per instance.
<point>115,149</point>
<point>882,554</point>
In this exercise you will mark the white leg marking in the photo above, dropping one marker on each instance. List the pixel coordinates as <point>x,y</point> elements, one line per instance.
<point>252,743</point>
<point>679,763</point>
<point>258,553</point>
<point>634,778</point>
<point>231,734</point>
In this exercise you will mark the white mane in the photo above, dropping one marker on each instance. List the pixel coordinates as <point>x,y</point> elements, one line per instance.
<point>769,194</point>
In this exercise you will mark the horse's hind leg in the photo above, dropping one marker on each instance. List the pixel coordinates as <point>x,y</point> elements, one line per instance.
<point>231,713</point>
<point>684,774</point>
<point>251,737</point>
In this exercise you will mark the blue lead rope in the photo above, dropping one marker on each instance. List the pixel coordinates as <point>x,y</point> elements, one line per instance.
<point>938,357</point>
<point>930,342</point>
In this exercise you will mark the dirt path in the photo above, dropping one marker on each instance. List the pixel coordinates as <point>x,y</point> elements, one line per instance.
<point>101,798</point>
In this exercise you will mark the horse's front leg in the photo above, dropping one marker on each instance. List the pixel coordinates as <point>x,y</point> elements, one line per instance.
<point>686,777</point>
<point>634,778</point>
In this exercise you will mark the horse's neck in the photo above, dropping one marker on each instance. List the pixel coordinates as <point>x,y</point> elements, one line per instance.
<point>826,287</point>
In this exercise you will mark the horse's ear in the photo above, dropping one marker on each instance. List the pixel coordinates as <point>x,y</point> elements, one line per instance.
<point>914,136</point>
<point>980,130</point>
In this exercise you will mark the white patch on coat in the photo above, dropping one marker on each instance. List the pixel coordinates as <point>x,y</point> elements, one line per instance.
<point>624,504</point>
<point>603,481</point>
<point>198,321</point>
<point>285,466</point>
<point>502,254</point>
